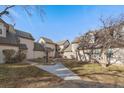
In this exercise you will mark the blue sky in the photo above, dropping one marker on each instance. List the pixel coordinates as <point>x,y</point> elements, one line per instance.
<point>63,22</point>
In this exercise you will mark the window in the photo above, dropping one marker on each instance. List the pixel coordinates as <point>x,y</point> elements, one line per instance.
<point>0,31</point>
<point>110,53</point>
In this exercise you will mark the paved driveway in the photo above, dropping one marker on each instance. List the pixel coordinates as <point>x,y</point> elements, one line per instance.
<point>59,70</point>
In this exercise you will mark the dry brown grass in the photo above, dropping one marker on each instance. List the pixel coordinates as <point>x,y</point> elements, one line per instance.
<point>95,73</point>
<point>43,61</point>
<point>25,75</point>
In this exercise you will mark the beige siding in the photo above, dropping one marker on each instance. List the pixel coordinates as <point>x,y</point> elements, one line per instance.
<point>82,56</point>
<point>74,47</point>
<point>30,46</point>
<point>39,54</point>
<point>2,47</point>
<point>118,56</point>
<point>11,29</point>
<point>3,30</point>
<point>69,55</point>
<point>63,46</point>
<point>52,46</point>
<point>73,54</point>
<point>79,56</point>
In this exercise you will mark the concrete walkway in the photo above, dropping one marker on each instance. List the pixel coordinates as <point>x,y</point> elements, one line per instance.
<point>59,70</point>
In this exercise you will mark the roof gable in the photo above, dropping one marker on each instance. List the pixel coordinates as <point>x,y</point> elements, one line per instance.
<point>47,40</point>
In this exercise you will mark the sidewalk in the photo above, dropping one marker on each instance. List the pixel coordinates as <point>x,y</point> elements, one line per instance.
<point>59,70</point>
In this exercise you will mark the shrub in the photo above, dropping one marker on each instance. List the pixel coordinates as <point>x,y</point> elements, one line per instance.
<point>20,56</point>
<point>9,55</point>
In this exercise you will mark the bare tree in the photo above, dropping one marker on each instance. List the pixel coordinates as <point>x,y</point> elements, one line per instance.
<point>108,37</point>
<point>30,11</point>
<point>5,11</point>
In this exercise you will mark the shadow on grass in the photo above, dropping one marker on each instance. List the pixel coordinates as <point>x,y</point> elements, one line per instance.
<point>85,84</point>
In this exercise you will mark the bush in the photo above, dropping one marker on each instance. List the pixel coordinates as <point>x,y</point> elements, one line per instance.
<point>9,55</point>
<point>20,56</point>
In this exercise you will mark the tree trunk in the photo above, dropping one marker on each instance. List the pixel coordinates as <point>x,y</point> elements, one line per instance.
<point>47,57</point>
<point>78,55</point>
<point>91,56</point>
<point>103,59</point>
<point>84,56</point>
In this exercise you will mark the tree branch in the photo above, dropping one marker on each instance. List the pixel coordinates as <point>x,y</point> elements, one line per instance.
<point>5,11</point>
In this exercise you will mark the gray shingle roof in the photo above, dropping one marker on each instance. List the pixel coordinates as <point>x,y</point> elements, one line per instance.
<point>38,47</point>
<point>24,34</point>
<point>10,39</point>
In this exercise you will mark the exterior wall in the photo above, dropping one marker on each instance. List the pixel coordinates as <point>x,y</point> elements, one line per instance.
<point>64,46</point>
<point>118,56</point>
<point>3,30</point>
<point>82,56</point>
<point>74,47</point>
<point>61,47</point>
<point>2,47</point>
<point>39,54</point>
<point>73,54</point>
<point>69,55</point>
<point>11,29</point>
<point>52,46</point>
<point>30,46</point>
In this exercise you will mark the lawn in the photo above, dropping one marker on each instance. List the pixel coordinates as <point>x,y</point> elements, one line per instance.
<point>43,61</point>
<point>25,75</point>
<point>113,75</point>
